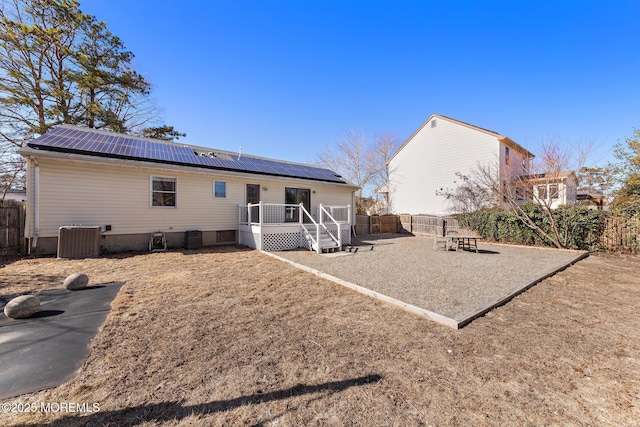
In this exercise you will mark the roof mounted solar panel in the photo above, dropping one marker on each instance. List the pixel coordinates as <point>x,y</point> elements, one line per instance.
<point>92,142</point>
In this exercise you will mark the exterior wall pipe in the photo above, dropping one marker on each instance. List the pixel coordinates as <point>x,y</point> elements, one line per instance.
<point>36,204</point>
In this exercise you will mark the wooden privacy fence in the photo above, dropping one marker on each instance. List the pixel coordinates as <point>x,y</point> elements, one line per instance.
<point>427,224</point>
<point>621,234</point>
<point>415,224</point>
<point>363,225</point>
<point>12,230</point>
<point>377,224</point>
<point>618,234</point>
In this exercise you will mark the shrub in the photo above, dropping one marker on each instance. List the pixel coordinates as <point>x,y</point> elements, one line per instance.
<point>578,227</point>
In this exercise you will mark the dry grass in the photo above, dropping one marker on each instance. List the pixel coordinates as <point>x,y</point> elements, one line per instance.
<point>232,337</point>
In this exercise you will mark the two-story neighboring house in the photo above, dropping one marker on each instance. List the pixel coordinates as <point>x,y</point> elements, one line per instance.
<point>552,189</point>
<point>428,161</point>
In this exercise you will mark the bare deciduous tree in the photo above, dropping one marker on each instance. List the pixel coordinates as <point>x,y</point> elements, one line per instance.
<point>469,196</point>
<point>361,161</point>
<point>11,171</point>
<point>385,144</point>
<point>508,187</point>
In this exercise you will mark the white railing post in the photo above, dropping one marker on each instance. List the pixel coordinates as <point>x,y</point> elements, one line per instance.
<point>300,214</point>
<point>339,233</point>
<point>249,213</point>
<point>318,248</point>
<point>320,221</point>
<point>260,219</point>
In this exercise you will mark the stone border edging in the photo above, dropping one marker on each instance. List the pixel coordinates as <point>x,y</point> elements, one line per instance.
<point>467,318</point>
<point>435,317</point>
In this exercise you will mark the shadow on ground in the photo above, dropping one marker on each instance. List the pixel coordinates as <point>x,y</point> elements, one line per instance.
<point>174,411</point>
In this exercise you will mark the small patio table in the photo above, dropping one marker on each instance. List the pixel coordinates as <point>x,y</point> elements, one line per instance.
<point>465,241</point>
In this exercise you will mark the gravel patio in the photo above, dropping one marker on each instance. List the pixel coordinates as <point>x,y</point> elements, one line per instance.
<point>454,284</point>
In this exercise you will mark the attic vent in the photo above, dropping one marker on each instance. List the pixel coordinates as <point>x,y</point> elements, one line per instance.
<point>203,154</point>
<point>434,123</point>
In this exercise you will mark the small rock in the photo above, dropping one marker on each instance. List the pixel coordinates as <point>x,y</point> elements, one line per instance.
<point>76,282</point>
<point>22,307</point>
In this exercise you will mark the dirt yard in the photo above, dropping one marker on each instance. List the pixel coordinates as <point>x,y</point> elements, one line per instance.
<point>233,337</point>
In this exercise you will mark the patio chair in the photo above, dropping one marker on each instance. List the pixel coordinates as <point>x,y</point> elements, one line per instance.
<point>437,240</point>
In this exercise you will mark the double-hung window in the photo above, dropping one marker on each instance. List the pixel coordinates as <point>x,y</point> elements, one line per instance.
<point>163,192</point>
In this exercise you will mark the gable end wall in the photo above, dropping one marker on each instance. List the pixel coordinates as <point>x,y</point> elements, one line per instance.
<point>429,162</point>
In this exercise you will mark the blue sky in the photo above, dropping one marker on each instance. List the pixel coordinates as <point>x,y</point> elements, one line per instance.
<point>285,79</point>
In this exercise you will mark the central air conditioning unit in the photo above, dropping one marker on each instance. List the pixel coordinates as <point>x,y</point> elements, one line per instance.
<point>193,239</point>
<point>157,242</point>
<point>78,242</point>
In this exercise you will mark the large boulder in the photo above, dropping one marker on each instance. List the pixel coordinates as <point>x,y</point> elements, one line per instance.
<point>76,282</point>
<point>22,307</point>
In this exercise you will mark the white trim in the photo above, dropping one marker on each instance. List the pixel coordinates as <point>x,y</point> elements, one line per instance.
<point>214,189</point>
<point>151,191</point>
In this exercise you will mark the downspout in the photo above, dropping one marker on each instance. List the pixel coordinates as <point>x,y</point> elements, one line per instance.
<point>36,204</point>
<point>353,213</point>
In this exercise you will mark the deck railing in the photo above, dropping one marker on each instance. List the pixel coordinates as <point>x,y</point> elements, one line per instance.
<point>311,227</point>
<point>325,216</point>
<point>268,213</point>
<point>278,213</point>
<point>261,222</point>
<point>341,214</point>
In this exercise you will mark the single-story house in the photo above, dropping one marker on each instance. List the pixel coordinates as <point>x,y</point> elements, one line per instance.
<point>133,187</point>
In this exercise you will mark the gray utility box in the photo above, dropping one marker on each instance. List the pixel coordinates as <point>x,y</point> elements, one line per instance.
<point>79,242</point>
<point>193,239</point>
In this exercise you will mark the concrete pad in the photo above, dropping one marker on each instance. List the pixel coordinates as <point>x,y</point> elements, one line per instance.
<point>47,349</point>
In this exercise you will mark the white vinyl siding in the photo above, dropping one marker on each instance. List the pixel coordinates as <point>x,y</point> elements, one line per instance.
<point>556,193</point>
<point>429,161</point>
<point>85,193</point>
